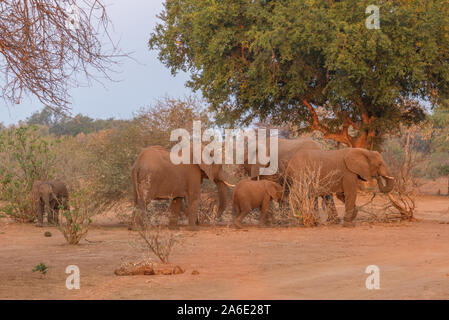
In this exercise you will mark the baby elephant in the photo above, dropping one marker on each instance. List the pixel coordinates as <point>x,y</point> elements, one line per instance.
<point>49,197</point>
<point>250,194</point>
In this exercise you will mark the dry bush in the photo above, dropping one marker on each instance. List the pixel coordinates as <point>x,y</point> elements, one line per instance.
<point>155,123</point>
<point>45,48</point>
<point>157,213</point>
<point>74,223</point>
<point>377,210</point>
<point>208,209</point>
<point>283,215</point>
<point>403,157</point>
<point>158,240</point>
<point>402,198</point>
<point>72,161</point>
<point>304,187</point>
<point>152,236</point>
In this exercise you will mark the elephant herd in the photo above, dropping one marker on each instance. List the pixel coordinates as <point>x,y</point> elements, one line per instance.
<point>155,177</point>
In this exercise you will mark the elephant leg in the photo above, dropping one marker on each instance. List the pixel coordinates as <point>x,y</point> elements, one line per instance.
<point>139,214</point>
<point>236,210</point>
<point>192,212</point>
<point>66,209</point>
<point>50,216</point>
<point>264,210</point>
<point>244,210</point>
<point>40,215</point>
<point>340,196</point>
<point>350,190</point>
<point>56,215</point>
<point>332,216</point>
<point>51,213</point>
<point>175,209</point>
<point>315,204</point>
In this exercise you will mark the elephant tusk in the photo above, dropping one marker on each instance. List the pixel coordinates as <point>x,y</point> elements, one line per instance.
<point>228,184</point>
<point>388,177</point>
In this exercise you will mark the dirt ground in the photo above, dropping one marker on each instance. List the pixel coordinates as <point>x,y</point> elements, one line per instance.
<point>326,262</point>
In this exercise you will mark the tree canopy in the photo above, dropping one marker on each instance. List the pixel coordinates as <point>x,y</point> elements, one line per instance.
<point>440,139</point>
<point>60,124</point>
<point>313,63</point>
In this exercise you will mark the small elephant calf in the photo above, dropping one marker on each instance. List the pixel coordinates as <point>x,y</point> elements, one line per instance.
<point>48,197</point>
<point>250,194</point>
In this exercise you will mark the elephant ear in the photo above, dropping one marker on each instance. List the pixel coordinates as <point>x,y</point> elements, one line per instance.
<point>357,162</point>
<point>208,170</point>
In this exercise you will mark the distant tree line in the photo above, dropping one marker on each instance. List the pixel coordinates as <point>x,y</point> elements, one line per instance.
<point>63,125</point>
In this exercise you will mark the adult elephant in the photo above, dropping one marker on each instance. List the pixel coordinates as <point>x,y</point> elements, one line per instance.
<point>342,169</point>
<point>155,177</point>
<point>287,148</point>
<point>48,197</point>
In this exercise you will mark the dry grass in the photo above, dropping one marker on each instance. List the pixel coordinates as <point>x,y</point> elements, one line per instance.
<point>153,237</point>
<point>160,241</point>
<point>208,209</point>
<point>146,267</point>
<point>304,187</point>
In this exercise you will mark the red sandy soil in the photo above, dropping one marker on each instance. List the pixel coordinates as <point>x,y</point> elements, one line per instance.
<point>326,262</point>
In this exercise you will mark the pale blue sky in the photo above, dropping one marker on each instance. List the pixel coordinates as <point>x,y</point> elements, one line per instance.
<point>133,21</point>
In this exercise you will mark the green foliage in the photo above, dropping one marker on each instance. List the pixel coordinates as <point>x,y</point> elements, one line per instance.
<point>74,223</point>
<point>256,59</point>
<point>444,170</point>
<point>41,267</point>
<point>61,125</point>
<point>24,158</point>
<point>440,141</point>
<point>111,156</point>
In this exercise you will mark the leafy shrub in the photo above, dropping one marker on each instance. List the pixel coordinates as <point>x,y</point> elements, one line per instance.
<point>24,158</point>
<point>41,268</point>
<point>74,223</point>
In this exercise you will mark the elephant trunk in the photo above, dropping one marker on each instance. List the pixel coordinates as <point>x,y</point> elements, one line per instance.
<point>222,196</point>
<point>385,183</point>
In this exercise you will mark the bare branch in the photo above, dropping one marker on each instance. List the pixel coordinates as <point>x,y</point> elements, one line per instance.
<point>46,44</point>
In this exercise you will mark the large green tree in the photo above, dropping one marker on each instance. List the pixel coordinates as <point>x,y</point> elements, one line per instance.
<point>313,63</point>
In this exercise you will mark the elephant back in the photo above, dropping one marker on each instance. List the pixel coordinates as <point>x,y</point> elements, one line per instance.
<point>289,147</point>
